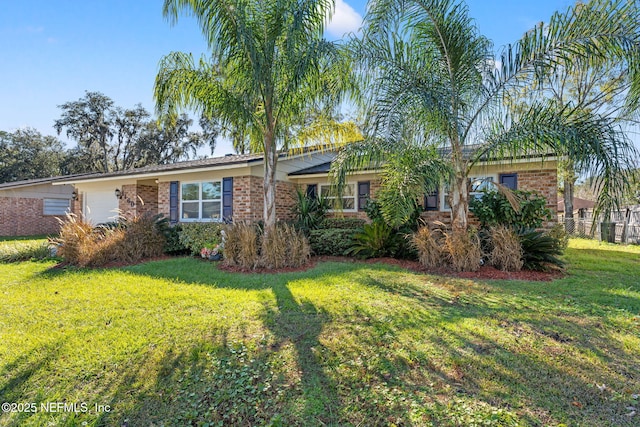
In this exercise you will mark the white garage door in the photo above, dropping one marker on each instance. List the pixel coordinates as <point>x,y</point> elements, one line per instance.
<point>100,206</point>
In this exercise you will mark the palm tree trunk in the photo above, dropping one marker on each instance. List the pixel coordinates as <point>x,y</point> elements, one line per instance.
<point>270,162</point>
<point>568,198</point>
<point>459,195</point>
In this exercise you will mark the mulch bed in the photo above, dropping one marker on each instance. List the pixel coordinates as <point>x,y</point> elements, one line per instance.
<point>484,273</point>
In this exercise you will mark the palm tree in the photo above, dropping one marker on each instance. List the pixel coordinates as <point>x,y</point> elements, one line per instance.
<point>436,89</point>
<point>269,64</point>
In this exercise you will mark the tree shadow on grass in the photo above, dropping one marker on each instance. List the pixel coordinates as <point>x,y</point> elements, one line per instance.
<point>15,378</point>
<point>539,361</point>
<point>243,380</point>
<point>300,325</point>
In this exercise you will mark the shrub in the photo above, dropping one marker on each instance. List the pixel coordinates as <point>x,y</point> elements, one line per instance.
<point>284,247</point>
<point>375,240</point>
<point>540,250</point>
<point>462,249</point>
<point>493,208</point>
<point>428,246</point>
<point>17,251</point>
<point>197,235</point>
<point>309,211</point>
<point>332,241</point>
<point>241,245</point>
<point>559,233</point>
<point>506,249</point>
<point>77,240</point>
<point>134,239</point>
<point>342,223</point>
<point>142,238</point>
<point>173,245</point>
<point>245,248</point>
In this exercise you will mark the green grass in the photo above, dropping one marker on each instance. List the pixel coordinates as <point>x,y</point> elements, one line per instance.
<point>179,342</point>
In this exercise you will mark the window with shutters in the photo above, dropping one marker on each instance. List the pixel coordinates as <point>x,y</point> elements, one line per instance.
<point>201,201</point>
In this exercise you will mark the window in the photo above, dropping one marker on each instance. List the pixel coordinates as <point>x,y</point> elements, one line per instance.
<point>201,201</point>
<point>348,200</point>
<point>55,206</point>
<point>364,192</point>
<point>509,180</point>
<point>431,201</point>
<point>477,184</point>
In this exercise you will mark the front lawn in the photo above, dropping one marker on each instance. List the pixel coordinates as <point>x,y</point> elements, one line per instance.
<point>179,342</point>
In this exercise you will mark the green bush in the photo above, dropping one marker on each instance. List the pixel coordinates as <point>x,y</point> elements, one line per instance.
<point>540,250</point>
<point>332,241</point>
<point>375,240</point>
<point>173,245</point>
<point>345,223</point>
<point>197,235</point>
<point>560,234</point>
<point>16,251</point>
<point>493,208</point>
<point>309,212</point>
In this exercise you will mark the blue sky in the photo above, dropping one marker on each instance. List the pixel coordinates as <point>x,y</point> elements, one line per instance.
<point>55,50</point>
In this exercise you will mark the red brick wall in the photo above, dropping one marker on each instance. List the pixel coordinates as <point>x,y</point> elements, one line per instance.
<point>163,198</point>
<point>139,200</point>
<point>20,216</point>
<point>147,200</point>
<point>248,199</point>
<point>76,205</point>
<point>544,181</point>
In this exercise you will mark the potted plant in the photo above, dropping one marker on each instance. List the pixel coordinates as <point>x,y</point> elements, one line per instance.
<point>212,252</point>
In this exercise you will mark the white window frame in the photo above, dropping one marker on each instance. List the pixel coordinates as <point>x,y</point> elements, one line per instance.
<point>330,198</point>
<point>445,190</point>
<point>55,210</point>
<point>200,201</point>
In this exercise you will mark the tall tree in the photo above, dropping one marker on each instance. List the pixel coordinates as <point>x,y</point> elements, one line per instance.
<point>434,82</point>
<point>591,87</point>
<point>268,63</point>
<point>27,154</point>
<point>111,138</point>
<point>89,121</point>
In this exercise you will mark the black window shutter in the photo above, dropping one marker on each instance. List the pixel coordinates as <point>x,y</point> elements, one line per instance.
<point>173,202</point>
<point>312,191</point>
<point>227,199</point>
<point>364,190</point>
<point>509,180</point>
<point>431,201</point>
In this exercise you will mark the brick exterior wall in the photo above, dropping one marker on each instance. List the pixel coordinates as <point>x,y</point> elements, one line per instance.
<point>76,205</point>
<point>248,199</point>
<point>20,216</point>
<point>140,200</point>
<point>543,181</point>
<point>163,198</point>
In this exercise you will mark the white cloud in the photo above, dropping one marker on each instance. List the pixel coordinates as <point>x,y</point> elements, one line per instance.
<point>344,20</point>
